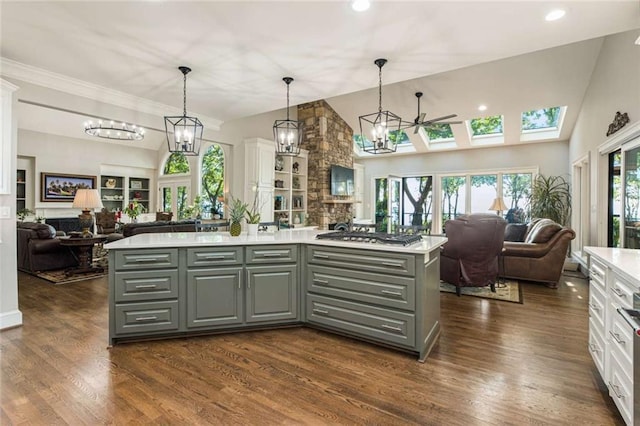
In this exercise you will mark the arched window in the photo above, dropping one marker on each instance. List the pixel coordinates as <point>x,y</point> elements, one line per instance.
<point>176,163</point>
<point>212,180</point>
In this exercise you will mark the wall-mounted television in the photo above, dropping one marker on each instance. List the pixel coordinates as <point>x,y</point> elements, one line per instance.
<point>341,180</point>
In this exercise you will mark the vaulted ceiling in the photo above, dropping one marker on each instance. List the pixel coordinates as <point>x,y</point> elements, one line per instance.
<point>454,52</point>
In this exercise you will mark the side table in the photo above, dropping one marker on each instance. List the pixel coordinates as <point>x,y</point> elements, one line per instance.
<point>82,249</point>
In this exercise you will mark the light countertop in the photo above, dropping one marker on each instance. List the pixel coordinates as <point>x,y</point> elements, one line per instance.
<point>624,261</point>
<point>286,236</point>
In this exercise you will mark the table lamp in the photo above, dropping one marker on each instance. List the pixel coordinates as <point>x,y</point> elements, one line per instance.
<point>498,205</point>
<point>87,200</point>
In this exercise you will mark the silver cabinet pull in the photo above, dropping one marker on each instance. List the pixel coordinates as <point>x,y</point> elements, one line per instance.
<point>272,255</point>
<point>320,311</point>
<point>392,328</point>
<point>146,286</point>
<point>319,281</point>
<point>593,348</point>
<point>616,390</point>
<point>146,318</point>
<point>618,292</point>
<point>320,256</point>
<point>146,260</point>
<point>394,264</point>
<point>214,257</point>
<point>616,337</point>
<point>391,293</point>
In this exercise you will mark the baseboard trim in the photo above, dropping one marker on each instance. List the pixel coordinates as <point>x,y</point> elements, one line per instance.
<point>10,319</point>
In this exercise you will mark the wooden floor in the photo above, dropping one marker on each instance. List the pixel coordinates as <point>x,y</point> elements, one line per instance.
<point>496,363</point>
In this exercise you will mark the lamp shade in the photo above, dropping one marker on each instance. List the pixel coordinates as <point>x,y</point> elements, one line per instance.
<point>498,205</point>
<point>87,199</point>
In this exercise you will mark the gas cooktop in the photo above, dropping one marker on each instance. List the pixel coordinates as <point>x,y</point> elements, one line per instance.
<point>371,237</point>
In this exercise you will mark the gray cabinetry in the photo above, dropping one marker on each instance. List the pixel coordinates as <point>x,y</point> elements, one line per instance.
<point>214,297</point>
<point>144,293</point>
<point>272,293</point>
<point>387,297</point>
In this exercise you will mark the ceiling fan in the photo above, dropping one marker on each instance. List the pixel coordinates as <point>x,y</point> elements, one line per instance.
<point>419,121</point>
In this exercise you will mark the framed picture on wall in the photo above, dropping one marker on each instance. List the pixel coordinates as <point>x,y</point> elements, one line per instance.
<point>63,187</point>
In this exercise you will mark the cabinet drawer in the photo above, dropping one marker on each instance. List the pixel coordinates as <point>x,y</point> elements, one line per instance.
<point>366,260</point>
<point>272,254</point>
<point>210,256</point>
<point>597,304</point>
<point>131,286</point>
<point>621,388</point>
<point>621,340</point>
<point>596,347</point>
<point>597,272</point>
<point>368,321</point>
<point>146,317</point>
<point>146,259</point>
<point>395,292</point>
<point>621,291</point>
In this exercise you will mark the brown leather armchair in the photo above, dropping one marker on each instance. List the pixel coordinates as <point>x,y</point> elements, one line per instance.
<point>470,256</point>
<point>540,256</point>
<point>166,216</point>
<point>106,222</point>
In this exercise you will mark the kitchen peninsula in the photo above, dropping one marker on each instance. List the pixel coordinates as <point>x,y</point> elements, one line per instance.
<point>181,284</point>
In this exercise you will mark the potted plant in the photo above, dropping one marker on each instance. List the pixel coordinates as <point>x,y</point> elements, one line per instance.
<point>253,214</point>
<point>237,210</point>
<point>550,198</point>
<point>22,214</point>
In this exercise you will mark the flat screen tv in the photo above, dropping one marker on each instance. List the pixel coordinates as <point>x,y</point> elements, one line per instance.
<point>341,180</point>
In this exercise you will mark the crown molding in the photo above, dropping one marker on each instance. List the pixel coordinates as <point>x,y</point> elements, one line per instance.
<point>38,76</point>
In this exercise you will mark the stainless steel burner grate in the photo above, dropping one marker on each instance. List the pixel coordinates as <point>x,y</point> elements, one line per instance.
<point>371,237</point>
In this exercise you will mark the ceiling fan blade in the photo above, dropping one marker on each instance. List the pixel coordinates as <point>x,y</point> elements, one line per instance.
<point>415,131</point>
<point>444,117</point>
<point>442,122</point>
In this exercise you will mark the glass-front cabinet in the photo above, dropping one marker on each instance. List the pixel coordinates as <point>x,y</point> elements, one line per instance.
<point>631,199</point>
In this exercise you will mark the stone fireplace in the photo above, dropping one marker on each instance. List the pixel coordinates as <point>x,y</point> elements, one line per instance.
<point>329,141</point>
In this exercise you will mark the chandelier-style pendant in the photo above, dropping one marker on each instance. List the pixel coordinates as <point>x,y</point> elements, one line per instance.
<point>184,133</point>
<point>110,129</point>
<point>380,130</point>
<point>287,133</point>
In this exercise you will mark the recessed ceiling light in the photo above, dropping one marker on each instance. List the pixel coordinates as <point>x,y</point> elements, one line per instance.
<point>360,5</point>
<point>554,15</point>
<point>482,108</point>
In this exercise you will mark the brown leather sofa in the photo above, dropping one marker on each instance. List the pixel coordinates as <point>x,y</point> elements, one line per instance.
<point>470,256</point>
<point>540,255</point>
<point>40,250</point>
<point>159,226</point>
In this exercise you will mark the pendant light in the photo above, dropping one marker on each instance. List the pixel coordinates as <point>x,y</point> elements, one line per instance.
<point>184,134</point>
<point>379,131</point>
<point>287,133</point>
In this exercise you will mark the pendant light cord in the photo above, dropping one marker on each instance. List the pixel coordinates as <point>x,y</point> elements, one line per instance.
<point>287,101</point>
<point>379,89</point>
<point>184,94</point>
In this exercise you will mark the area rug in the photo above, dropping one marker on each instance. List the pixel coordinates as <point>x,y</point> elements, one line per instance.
<point>58,276</point>
<point>510,291</point>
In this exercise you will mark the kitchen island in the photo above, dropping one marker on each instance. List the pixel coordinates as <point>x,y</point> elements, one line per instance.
<point>182,284</point>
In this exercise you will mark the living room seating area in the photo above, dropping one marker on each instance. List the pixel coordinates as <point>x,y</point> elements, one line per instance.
<point>39,249</point>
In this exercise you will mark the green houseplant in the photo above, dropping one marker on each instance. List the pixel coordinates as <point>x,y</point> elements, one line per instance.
<point>133,210</point>
<point>237,210</point>
<point>23,213</point>
<point>550,198</point>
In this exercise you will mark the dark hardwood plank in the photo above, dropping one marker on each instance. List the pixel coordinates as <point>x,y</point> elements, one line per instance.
<point>495,363</point>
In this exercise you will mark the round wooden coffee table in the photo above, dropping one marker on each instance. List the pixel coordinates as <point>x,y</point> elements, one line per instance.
<point>82,249</point>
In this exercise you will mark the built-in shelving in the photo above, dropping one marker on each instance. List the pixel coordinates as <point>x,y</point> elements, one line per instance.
<point>112,192</point>
<point>290,189</point>
<point>21,189</point>
<point>139,191</point>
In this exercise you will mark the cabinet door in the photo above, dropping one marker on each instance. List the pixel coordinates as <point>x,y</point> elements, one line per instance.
<point>214,297</point>
<point>272,293</point>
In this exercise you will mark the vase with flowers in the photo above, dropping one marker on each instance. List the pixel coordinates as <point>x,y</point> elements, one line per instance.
<point>133,210</point>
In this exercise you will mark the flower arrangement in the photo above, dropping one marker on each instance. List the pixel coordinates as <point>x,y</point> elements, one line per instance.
<point>134,209</point>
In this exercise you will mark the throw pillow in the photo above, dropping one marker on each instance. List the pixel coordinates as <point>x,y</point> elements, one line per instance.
<point>45,231</point>
<point>515,232</point>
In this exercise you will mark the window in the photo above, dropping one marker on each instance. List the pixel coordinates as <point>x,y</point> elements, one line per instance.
<point>439,132</point>
<point>539,124</point>
<point>516,188</point>
<point>382,210</point>
<point>453,197</point>
<point>396,135</point>
<point>487,126</point>
<point>417,201</point>
<point>174,185</point>
<point>484,189</point>
<point>212,180</point>
<point>176,163</point>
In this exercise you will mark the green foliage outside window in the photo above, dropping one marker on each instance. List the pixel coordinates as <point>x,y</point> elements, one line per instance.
<point>176,163</point>
<point>487,125</point>
<point>439,131</point>
<point>450,196</point>
<point>213,179</point>
<point>546,118</point>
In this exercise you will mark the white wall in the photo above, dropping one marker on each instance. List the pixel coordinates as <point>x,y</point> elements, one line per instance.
<point>10,315</point>
<point>551,158</point>
<point>614,86</point>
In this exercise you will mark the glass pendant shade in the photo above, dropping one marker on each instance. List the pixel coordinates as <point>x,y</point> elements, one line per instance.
<point>287,134</point>
<point>380,130</point>
<point>184,133</point>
